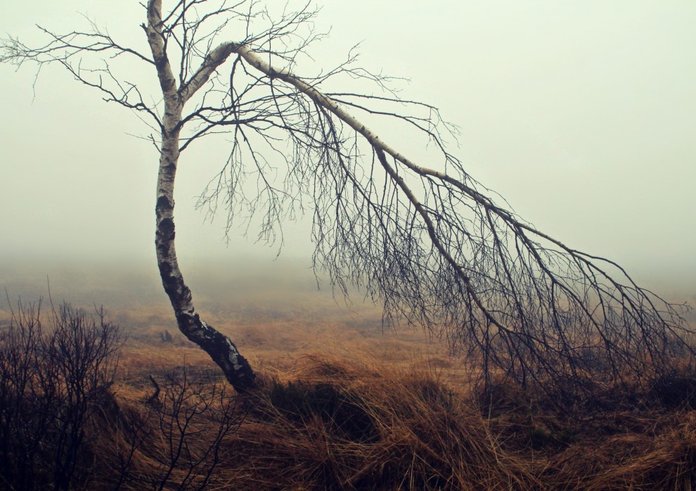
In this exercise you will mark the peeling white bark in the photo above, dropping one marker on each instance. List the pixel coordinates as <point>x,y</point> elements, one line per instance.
<point>220,348</point>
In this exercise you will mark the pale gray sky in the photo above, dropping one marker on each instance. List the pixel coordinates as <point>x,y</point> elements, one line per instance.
<point>582,114</point>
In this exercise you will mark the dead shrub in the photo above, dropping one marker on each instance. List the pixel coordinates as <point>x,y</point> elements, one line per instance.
<point>174,439</point>
<point>51,383</point>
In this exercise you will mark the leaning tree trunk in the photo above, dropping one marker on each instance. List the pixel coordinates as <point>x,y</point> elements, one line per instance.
<point>220,348</point>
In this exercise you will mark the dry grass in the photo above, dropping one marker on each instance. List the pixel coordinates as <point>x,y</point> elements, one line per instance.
<point>333,423</point>
<point>345,406</point>
<point>337,424</point>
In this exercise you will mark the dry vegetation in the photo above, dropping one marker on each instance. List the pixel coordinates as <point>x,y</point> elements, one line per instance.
<point>343,405</point>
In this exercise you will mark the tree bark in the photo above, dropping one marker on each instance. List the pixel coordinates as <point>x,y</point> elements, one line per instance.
<point>220,348</point>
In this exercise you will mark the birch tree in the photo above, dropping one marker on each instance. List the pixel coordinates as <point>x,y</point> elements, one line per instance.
<point>425,239</point>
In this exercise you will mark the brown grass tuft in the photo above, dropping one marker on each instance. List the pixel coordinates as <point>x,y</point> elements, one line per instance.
<point>337,424</point>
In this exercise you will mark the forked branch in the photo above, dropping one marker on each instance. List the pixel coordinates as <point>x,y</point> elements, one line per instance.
<point>428,241</point>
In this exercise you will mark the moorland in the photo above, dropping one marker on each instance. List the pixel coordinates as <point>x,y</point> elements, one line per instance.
<point>344,402</point>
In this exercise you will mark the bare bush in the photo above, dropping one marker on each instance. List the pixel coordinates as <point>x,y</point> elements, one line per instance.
<point>51,381</point>
<point>177,443</point>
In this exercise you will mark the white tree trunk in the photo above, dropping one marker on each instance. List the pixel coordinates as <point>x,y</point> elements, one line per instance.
<point>220,348</point>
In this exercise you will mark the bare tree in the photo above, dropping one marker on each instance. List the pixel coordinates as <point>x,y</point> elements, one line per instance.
<point>431,243</point>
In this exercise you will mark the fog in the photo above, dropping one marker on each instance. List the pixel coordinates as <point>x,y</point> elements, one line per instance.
<point>581,114</point>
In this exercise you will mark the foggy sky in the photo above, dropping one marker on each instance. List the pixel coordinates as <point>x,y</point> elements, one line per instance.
<point>581,114</point>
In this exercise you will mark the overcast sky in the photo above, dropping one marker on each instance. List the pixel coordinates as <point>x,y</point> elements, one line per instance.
<point>582,114</point>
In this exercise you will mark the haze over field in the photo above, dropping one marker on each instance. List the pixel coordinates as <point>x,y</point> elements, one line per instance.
<point>580,114</point>
<point>535,256</point>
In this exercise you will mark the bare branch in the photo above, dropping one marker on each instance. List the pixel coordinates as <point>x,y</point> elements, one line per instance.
<point>442,254</point>
<point>436,247</point>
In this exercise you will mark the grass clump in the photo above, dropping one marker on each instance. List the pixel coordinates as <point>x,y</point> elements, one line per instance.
<point>377,429</point>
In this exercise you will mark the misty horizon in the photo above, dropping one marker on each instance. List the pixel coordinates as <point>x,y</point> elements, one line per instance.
<point>589,137</point>
<point>120,282</point>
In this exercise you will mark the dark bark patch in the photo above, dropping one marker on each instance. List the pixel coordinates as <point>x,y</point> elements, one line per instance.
<point>163,204</point>
<point>220,348</point>
<point>165,269</point>
<point>165,229</point>
<point>171,285</point>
